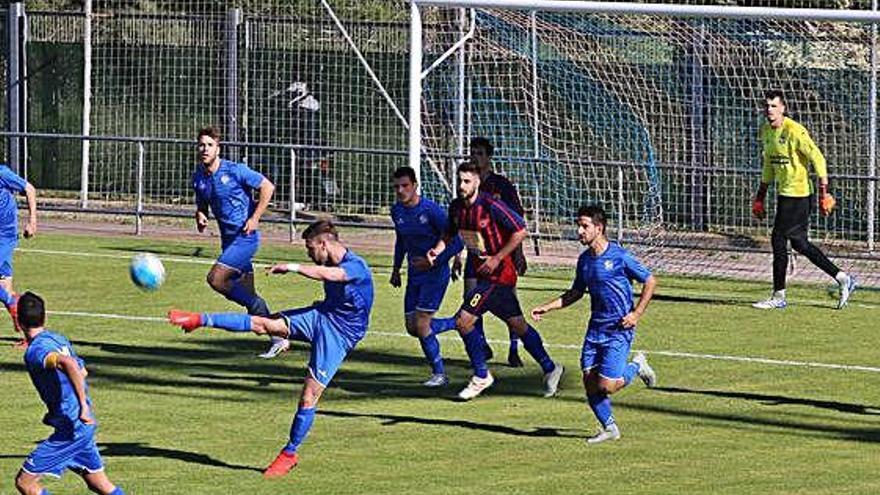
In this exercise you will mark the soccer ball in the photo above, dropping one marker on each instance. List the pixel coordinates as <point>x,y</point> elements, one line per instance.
<point>146,271</point>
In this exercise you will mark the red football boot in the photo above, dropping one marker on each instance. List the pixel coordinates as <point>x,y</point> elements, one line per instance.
<point>281,465</point>
<point>184,319</point>
<point>13,313</point>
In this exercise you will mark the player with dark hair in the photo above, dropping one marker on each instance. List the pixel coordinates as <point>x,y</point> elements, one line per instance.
<point>10,185</point>
<point>606,270</point>
<point>500,188</point>
<point>418,224</point>
<point>491,231</point>
<point>226,187</point>
<point>59,376</point>
<point>333,326</point>
<point>787,148</point>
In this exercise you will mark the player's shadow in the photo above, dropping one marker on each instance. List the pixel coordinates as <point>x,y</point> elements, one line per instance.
<point>131,449</point>
<point>394,420</point>
<point>776,400</point>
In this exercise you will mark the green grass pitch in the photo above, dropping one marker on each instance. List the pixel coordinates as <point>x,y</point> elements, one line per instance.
<point>201,414</point>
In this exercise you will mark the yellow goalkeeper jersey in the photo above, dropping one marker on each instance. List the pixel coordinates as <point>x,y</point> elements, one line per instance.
<point>786,152</point>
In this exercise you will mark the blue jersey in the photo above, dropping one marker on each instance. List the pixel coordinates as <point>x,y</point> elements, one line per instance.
<point>52,384</point>
<point>228,192</point>
<point>348,304</point>
<point>608,277</point>
<point>418,228</point>
<point>10,185</point>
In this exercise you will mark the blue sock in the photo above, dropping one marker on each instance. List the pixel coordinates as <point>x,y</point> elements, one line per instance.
<point>117,491</point>
<point>514,340</point>
<point>440,325</point>
<point>474,342</point>
<point>240,294</point>
<point>302,423</point>
<point>233,322</point>
<point>601,406</point>
<point>631,370</point>
<point>5,297</point>
<point>45,492</point>
<point>535,347</point>
<point>431,348</point>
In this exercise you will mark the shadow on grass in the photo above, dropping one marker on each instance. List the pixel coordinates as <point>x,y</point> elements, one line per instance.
<point>776,400</point>
<point>393,420</point>
<point>131,449</point>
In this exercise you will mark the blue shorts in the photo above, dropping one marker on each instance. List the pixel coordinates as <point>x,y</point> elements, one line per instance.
<point>239,251</point>
<point>607,351</point>
<point>425,296</point>
<point>500,300</point>
<point>7,246</point>
<point>76,451</point>
<point>329,346</point>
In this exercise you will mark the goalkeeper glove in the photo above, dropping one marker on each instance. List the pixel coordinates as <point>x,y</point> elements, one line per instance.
<point>758,208</point>
<point>826,204</point>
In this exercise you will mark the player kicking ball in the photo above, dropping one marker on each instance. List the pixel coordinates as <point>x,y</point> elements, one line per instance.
<point>333,326</point>
<point>606,270</point>
<point>59,376</point>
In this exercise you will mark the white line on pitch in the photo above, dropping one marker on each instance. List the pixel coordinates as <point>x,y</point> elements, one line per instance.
<point>689,355</point>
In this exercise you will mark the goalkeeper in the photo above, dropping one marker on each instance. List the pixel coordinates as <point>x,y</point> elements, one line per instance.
<point>787,148</point>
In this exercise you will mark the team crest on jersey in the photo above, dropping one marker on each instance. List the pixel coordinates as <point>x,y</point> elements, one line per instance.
<point>484,223</point>
<point>609,264</point>
<point>224,179</point>
<point>423,219</point>
<point>64,351</point>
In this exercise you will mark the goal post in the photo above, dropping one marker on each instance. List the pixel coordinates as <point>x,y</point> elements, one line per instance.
<point>652,111</point>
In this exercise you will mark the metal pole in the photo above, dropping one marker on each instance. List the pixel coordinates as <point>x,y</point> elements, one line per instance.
<point>139,206</point>
<point>872,138</point>
<point>233,20</point>
<point>87,105</point>
<point>619,204</point>
<point>292,185</point>
<point>415,90</point>
<point>13,93</point>
<point>461,100</point>
<point>536,122</point>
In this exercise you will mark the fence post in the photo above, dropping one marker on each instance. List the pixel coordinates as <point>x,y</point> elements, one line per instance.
<point>699,155</point>
<point>14,67</point>
<point>872,138</point>
<point>139,206</point>
<point>536,138</point>
<point>233,20</point>
<point>620,215</point>
<point>291,226</point>
<point>415,90</point>
<point>87,104</point>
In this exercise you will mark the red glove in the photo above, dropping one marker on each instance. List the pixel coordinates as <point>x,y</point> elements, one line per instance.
<point>758,208</point>
<point>826,204</point>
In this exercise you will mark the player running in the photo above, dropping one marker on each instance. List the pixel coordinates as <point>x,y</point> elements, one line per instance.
<point>333,326</point>
<point>59,376</point>
<point>418,224</point>
<point>11,184</point>
<point>606,269</point>
<point>226,188</point>
<point>491,231</point>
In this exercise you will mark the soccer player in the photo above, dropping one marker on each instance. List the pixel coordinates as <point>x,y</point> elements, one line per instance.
<point>11,184</point>
<point>499,187</point>
<point>418,224</point>
<point>226,187</point>
<point>787,148</point>
<point>606,270</point>
<point>333,326</point>
<point>491,231</point>
<point>59,376</point>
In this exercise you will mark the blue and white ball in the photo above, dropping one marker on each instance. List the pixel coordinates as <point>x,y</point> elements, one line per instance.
<point>146,271</point>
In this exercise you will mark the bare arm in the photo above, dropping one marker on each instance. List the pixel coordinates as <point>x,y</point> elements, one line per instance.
<point>492,262</point>
<point>30,228</point>
<point>631,319</point>
<point>267,189</point>
<point>567,298</point>
<point>70,367</point>
<point>314,272</point>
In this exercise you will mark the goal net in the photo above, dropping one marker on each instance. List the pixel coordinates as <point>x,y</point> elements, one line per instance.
<point>655,117</point>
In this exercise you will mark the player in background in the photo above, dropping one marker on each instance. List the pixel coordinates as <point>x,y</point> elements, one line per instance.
<point>226,188</point>
<point>500,188</point>
<point>491,231</point>
<point>59,376</point>
<point>10,185</point>
<point>786,150</point>
<point>606,270</point>
<point>333,326</point>
<point>418,224</point>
